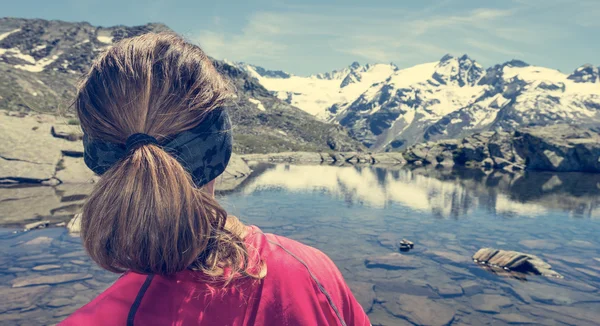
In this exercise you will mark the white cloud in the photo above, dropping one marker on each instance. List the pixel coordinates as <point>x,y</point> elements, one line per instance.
<point>379,35</point>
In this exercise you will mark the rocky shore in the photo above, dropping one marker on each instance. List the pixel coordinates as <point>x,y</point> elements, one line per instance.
<point>558,148</point>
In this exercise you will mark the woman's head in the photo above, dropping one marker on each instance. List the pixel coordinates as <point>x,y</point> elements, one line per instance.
<point>146,213</point>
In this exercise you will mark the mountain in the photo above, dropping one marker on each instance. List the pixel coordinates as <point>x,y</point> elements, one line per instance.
<point>321,94</point>
<point>41,61</point>
<point>387,108</point>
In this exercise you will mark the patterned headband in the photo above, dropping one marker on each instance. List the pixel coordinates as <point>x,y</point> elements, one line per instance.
<point>204,151</point>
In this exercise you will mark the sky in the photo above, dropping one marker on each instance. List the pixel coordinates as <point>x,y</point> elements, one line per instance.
<point>313,36</point>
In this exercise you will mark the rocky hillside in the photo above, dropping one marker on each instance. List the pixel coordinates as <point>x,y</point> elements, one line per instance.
<point>40,62</point>
<point>390,109</point>
<point>558,148</point>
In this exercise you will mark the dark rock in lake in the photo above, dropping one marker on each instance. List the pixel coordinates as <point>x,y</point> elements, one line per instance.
<point>514,261</point>
<point>405,245</point>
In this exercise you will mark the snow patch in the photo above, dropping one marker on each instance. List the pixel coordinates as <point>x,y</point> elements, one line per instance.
<point>258,103</point>
<point>5,35</point>
<point>105,39</point>
<point>39,65</point>
<point>39,47</point>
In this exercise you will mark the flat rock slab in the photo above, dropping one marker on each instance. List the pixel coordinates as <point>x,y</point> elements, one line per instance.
<point>74,170</point>
<point>449,290</point>
<point>27,148</point>
<point>20,298</point>
<point>393,261</point>
<point>420,310</point>
<point>27,203</point>
<point>490,303</point>
<point>48,280</point>
<point>514,261</point>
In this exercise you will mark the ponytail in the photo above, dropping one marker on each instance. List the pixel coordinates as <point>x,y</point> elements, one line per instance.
<point>146,213</point>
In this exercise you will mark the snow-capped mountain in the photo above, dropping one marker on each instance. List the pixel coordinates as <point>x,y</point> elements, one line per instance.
<point>317,94</point>
<point>389,108</point>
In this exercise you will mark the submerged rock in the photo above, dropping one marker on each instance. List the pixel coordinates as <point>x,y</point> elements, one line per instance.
<point>514,261</point>
<point>420,310</point>
<point>21,298</point>
<point>490,303</point>
<point>364,293</point>
<point>393,261</point>
<point>48,280</point>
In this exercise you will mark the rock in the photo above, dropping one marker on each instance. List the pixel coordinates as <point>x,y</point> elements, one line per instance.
<point>28,152</point>
<point>387,240</point>
<point>48,280</point>
<point>37,225</point>
<point>514,261</point>
<point>24,204</point>
<point>46,267</point>
<point>471,287</point>
<point>236,172</point>
<point>59,302</point>
<point>38,241</point>
<point>74,170</point>
<point>420,310</point>
<point>539,244</point>
<point>588,272</point>
<point>449,290</point>
<point>490,303</point>
<point>296,157</point>
<point>74,225</point>
<point>393,261</point>
<point>20,298</point>
<point>364,293</point>
<point>449,256</point>
<point>406,245</point>
<point>512,318</point>
<point>388,158</point>
<point>560,148</point>
<point>67,132</point>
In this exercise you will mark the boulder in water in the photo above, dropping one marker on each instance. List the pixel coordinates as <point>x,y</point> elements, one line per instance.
<point>514,261</point>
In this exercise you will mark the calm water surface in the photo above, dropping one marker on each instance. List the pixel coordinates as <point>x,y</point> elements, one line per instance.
<point>357,213</point>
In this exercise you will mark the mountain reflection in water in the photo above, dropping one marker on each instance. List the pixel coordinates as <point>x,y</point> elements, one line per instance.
<point>443,192</point>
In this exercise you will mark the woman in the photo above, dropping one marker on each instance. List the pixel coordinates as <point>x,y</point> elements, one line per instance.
<point>151,109</point>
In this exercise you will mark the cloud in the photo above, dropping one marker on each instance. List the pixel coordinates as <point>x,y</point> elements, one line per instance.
<point>397,35</point>
<point>490,47</point>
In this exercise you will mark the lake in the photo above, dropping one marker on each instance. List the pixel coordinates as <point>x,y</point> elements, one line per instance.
<point>358,213</point>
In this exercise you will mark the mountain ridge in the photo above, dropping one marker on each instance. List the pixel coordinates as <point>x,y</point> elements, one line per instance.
<point>42,60</point>
<point>450,98</point>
